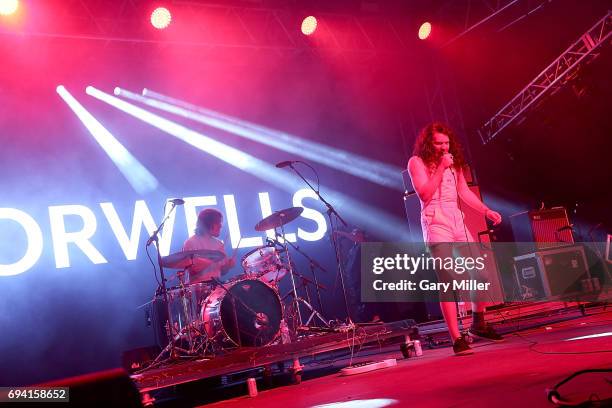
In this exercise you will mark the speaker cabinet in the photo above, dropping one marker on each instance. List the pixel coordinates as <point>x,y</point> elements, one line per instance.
<point>541,229</point>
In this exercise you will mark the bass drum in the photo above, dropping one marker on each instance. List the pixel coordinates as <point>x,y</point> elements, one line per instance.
<point>247,314</point>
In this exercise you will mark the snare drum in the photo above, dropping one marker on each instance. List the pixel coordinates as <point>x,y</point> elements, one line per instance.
<point>245,312</point>
<point>264,263</point>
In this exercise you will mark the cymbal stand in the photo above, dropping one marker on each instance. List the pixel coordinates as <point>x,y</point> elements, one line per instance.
<point>291,273</point>
<point>331,211</point>
<point>313,313</point>
<point>313,266</point>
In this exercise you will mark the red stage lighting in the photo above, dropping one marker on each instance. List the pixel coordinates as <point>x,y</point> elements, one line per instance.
<point>161,18</point>
<point>309,25</point>
<point>8,7</point>
<point>425,30</point>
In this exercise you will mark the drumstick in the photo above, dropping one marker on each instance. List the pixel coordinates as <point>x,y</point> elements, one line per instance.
<point>235,250</point>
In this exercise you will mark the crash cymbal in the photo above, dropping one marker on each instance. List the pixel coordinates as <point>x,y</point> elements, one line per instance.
<point>181,260</point>
<point>278,218</point>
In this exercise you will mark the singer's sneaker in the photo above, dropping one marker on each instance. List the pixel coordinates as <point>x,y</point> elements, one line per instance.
<point>487,333</point>
<point>461,347</point>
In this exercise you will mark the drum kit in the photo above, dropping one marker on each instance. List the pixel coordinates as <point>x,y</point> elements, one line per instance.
<point>205,318</point>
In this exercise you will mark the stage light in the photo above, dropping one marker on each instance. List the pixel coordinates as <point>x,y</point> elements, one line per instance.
<point>382,224</point>
<point>356,165</point>
<point>424,30</point>
<point>161,18</point>
<point>135,173</point>
<point>8,7</point>
<point>309,25</point>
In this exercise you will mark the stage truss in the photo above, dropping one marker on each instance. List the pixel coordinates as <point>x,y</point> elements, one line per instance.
<point>584,50</point>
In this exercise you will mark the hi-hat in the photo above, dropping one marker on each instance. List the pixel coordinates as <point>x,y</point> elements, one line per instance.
<point>181,260</point>
<point>278,218</point>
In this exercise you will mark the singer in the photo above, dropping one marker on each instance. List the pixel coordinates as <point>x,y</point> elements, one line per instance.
<point>206,236</point>
<point>436,170</point>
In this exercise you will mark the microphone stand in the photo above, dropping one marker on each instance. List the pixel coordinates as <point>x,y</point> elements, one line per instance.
<point>330,211</point>
<point>154,238</point>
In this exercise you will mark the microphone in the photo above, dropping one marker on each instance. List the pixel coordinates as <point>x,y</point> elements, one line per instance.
<point>451,167</point>
<point>177,201</point>
<point>285,163</point>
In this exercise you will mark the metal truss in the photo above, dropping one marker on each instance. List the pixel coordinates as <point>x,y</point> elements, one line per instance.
<point>475,12</point>
<point>463,17</point>
<point>358,32</point>
<point>555,76</point>
<point>249,29</point>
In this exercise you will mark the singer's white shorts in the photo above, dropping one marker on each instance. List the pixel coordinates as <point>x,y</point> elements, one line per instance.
<point>444,224</point>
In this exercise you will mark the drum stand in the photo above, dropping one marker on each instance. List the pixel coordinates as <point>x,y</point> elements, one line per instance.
<point>313,265</point>
<point>313,313</point>
<point>296,303</point>
<point>190,327</point>
<point>298,299</point>
<point>174,350</point>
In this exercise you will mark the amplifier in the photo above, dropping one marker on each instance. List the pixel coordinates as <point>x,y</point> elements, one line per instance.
<point>551,274</point>
<point>541,229</point>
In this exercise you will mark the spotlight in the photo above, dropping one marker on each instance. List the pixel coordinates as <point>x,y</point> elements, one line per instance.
<point>309,25</point>
<point>425,30</point>
<point>359,166</point>
<point>135,173</point>
<point>381,223</point>
<point>161,18</point>
<point>8,7</point>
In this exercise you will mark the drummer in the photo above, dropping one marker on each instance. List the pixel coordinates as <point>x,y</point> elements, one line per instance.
<point>206,236</point>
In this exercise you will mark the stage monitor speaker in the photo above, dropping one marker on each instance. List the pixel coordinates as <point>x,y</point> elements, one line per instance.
<point>110,388</point>
<point>541,229</point>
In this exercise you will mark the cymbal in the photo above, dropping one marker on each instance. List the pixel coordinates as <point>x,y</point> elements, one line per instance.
<point>278,218</point>
<point>181,260</point>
